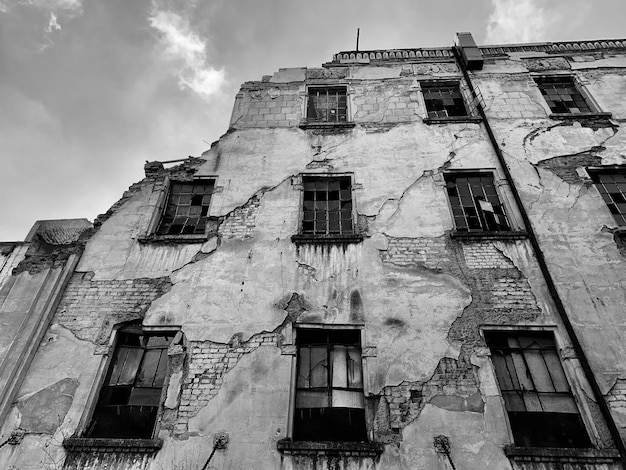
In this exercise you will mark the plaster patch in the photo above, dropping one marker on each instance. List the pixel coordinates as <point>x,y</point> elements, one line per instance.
<point>45,410</point>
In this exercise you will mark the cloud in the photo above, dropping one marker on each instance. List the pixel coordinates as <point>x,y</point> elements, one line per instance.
<point>516,21</point>
<point>52,24</point>
<point>187,53</point>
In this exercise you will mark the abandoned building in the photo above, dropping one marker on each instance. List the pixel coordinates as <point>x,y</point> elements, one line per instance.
<point>402,259</point>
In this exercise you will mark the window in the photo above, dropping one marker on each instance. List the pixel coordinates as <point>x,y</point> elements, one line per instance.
<point>187,209</point>
<point>612,187</point>
<point>541,408</point>
<point>327,206</point>
<point>475,203</point>
<point>130,397</point>
<point>443,99</point>
<point>329,386</point>
<point>328,104</point>
<point>562,95</point>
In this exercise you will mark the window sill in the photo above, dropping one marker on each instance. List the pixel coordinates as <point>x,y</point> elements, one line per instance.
<point>565,116</point>
<point>325,239</point>
<point>561,455</point>
<point>105,444</point>
<point>452,119</point>
<point>154,238</point>
<point>512,235</point>
<point>325,125</point>
<point>314,448</point>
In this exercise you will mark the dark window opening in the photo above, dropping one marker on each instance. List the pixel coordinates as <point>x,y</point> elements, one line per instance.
<point>327,105</point>
<point>541,408</point>
<point>443,100</point>
<point>187,209</point>
<point>612,187</point>
<point>562,95</point>
<point>475,203</point>
<point>130,397</point>
<point>329,387</point>
<point>327,206</point>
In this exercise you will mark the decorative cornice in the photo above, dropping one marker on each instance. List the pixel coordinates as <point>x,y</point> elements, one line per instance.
<point>442,53</point>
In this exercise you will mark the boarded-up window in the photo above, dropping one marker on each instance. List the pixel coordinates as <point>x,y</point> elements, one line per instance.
<point>328,104</point>
<point>562,95</point>
<point>443,99</point>
<point>612,187</point>
<point>329,386</point>
<point>187,209</point>
<point>327,206</point>
<point>130,397</point>
<point>537,396</point>
<point>475,203</point>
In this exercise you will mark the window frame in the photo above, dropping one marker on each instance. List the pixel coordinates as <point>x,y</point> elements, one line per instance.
<point>301,236</point>
<point>594,109</point>
<point>154,224</point>
<point>298,330</point>
<point>609,169</point>
<point>515,230</point>
<point>470,113</point>
<point>575,390</point>
<point>308,122</point>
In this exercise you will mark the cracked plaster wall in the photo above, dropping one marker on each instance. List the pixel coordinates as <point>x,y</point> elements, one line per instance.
<point>420,295</point>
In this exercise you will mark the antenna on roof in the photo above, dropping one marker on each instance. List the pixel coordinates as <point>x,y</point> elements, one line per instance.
<point>357,39</point>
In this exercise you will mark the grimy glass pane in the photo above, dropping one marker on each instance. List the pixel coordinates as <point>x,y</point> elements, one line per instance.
<point>148,368</point>
<point>503,375</point>
<point>130,366</point>
<point>558,403</point>
<point>538,370</point>
<point>556,371</point>
<point>340,366</point>
<point>145,397</point>
<point>347,399</point>
<point>304,367</point>
<point>319,367</point>
<point>532,402</point>
<point>523,375</point>
<point>355,372</point>
<point>311,399</point>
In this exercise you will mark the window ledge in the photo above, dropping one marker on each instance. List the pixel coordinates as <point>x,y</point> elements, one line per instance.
<point>563,116</point>
<point>452,119</point>
<point>105,444</point>
<point>512,235</point>
<point>325,125</point>
<point>192,238</point>
<point>364,449</point>
<point>301,239</point>
<point>561,455</point>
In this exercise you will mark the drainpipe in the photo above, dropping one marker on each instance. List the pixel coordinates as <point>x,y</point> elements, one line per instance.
<point>606,413</point>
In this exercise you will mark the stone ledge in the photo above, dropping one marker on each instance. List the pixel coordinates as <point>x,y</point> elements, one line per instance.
<point>175,238</point>
<point>512,235</point>
<point>360,449</point>
<point>325,125</point>
<point>561,455</point>
<point>100,444</point>
<point>452,120</point>
<point>574,116</point>
<point>326,239</point>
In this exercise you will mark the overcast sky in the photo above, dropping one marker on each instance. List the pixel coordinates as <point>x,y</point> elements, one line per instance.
<point>90,90</point>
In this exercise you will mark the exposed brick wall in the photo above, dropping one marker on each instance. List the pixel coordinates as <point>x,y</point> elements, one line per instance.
<point>430,252</point>
<point>90,308</point>
<point>268,105</point>
<point>521,100</point>
<point>484,255</point>
<point>208,362</point>
<point>565,166</point>
<point>386,101</point>
<point>240,222</point>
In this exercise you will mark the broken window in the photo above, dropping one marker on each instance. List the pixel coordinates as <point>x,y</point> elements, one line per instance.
<point>327,205</point>
<point>541,408</point>
<point>329,386</point>
<point>612,187</point>
<point>562,95</point>
<point>475,203</point>
<point>130,397</point>
<point>328,104</point>
<point>187,209</point>
<point>443,99</point>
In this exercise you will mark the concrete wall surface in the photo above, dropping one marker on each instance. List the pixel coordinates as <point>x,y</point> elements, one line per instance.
<point>420,292</point>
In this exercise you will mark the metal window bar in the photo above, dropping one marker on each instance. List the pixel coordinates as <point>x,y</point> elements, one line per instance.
<point>612,188</point>
<point>443,100</point>
<point>562,95</point>
<point>187,208</point>
<point>327,206</point>
<point>327,104</point>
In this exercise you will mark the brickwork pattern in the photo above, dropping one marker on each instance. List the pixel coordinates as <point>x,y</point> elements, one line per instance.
<point>208,363</point>
<point>262,105</point>
<point>387,102</point>
<point>617,396</point>
<point>480,255</point>
<point>521,100</point>
<point>565,166</point>
<point>91,308</point>
<point>429,252</point>
<point>240,223</point>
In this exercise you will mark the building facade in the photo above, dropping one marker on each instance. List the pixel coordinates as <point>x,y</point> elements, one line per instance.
<point>401,259</point>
